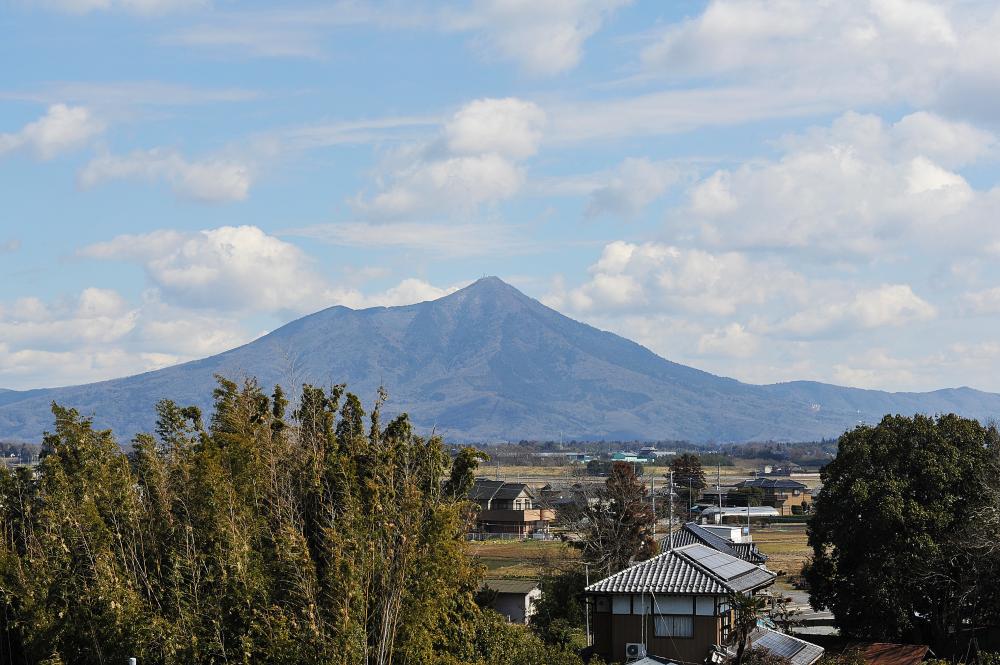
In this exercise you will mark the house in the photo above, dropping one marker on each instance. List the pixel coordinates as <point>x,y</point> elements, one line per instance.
<point>513,599</point>
<point>508,508</point>
<point>625,456</point>
<point>676,605</point>
<point>885,653</point>
<point>780,493</point>
<point>726,539</point>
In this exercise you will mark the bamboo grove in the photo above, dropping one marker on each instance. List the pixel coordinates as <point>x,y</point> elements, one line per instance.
<point>317,535</point>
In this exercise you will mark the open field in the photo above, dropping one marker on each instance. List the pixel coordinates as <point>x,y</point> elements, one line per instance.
<point>522,559</point>
<point>570,473</point>
<point>785,545</point>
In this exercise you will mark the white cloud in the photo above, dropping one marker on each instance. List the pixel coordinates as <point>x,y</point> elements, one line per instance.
<point>982,302</point>
<point>96,335</point>
<point>890,305</point>
<point>544,38</point>
<point>407,292</point>
<point>94,316</point>
<point>860,52</point>
<point>654,276</point>
<point>234,268</point>
<point>212,181</point>
<point>635,184</point>
<point>62,129</point>
<point>508,127</point>
<point>474,162</point>
<point>875,369</point>
<point>856,187</point>
<point>732,340</point>
<point>242,269</point>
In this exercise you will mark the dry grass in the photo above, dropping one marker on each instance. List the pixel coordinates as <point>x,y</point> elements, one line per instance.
<point>523,559</point>
<point>786,546</point>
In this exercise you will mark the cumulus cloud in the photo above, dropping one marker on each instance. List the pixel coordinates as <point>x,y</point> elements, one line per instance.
<point>62,129</point>
<point>655,276</point>
<point>242,269</point>
<point>231,267</point>
<point>213,180</point>
<point>97,334</point>
<point>543,38</point>
<point>94,316</point>
<point>635,184</point>
<point>885,305</point>
<point>475,161</point>
<point>858,186</point>
<point>862,52</point>
<point>732,340</point>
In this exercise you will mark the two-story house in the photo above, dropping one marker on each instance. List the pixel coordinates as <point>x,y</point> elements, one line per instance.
<point>675,605</point>
<point>508,508</point>
<point>781,493</point>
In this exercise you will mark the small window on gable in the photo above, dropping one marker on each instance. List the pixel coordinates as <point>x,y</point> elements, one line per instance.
<point>670,625</point>
<point>602,605</point>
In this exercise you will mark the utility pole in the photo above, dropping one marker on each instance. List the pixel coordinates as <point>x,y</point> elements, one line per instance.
<point>670,523</point>
<point>718,485</point>
<point>652,494</point>
<point>587,606</point>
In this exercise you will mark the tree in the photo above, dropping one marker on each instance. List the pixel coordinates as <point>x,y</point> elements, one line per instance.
<point>320,538</point>
<point>746,608</point>
<point>896,533</point>
<point>463,472</point>
<point>615,521</point>
<point>560,612</point>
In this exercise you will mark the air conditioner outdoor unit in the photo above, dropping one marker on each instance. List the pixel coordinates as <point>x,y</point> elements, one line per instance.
<point>635,650</point>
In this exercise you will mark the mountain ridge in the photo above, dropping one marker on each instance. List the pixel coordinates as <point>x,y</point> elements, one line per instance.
<point>489,363</point>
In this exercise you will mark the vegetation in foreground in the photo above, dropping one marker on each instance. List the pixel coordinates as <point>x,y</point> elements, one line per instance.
<point>323,536</point>
<point>904,534</point>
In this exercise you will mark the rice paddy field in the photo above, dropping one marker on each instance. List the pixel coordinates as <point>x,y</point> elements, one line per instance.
<point>526,559</point>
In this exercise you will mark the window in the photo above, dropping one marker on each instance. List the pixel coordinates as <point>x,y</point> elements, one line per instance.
<point>673,625</point>
<point>602,605</point>
<point>621,604</point>
<point>642,605</point>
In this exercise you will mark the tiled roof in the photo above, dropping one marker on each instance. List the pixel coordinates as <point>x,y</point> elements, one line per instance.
<point>773,483</point>
<point>692,533</point>
<point>694,569</point>
<point>749,552</point>
<point>484,490</point>
<point>884,653</point>
<point>796,651</point>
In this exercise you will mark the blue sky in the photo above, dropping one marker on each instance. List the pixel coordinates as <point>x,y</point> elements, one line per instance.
<point>766,190</point>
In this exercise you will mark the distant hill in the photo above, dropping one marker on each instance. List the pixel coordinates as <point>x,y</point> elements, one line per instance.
<point>488,363</point>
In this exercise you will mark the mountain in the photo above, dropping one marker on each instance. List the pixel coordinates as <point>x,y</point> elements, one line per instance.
<point>488,363</point>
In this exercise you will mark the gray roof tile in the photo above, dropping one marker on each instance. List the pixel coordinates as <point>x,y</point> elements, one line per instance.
<point>694,569</point>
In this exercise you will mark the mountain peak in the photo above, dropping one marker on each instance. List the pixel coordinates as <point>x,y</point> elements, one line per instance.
<point>489,363</point>
<point>491,283</point>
